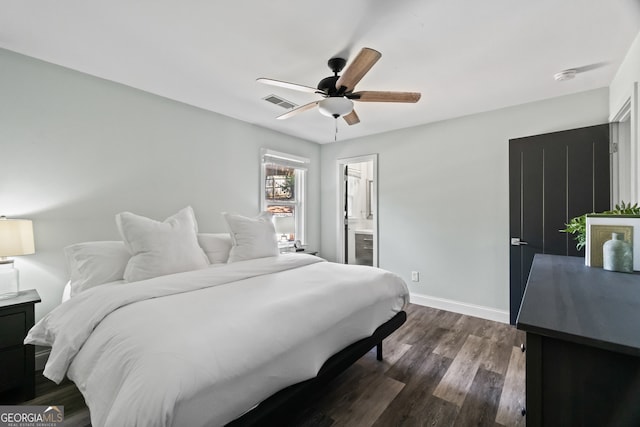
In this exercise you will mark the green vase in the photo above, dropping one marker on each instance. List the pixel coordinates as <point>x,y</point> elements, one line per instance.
<point>617,255</point>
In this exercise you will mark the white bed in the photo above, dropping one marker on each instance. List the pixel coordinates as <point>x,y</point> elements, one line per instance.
<point>66,292</point>
<point>203,347</point>
<point>171,327</point>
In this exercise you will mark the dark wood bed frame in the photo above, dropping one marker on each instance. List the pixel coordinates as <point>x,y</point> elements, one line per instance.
<point>286,402</point>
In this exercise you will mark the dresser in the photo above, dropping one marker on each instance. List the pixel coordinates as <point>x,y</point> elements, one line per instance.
<point>582,349</point>
<point>17,361</point>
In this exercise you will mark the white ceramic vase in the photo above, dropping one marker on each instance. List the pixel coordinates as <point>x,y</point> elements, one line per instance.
<point>617,255</point>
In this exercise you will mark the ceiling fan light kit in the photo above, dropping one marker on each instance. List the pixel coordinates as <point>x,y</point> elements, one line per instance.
<point>338,91</point>
<point>335,106</point>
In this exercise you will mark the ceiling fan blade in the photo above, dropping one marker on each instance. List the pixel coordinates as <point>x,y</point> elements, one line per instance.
<point>287,85</point>
<point>378,96</point>
<point>351,118</point>
<point>297,110</point>
<point>358,68</point>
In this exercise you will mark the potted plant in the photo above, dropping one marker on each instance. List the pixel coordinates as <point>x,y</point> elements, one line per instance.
<point>578,225</point>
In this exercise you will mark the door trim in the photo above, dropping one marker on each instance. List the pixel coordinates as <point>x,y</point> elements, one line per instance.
<point>340,164</point>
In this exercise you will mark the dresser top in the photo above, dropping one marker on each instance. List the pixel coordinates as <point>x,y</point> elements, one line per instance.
<point>24,297</point>
<point>567,300</point>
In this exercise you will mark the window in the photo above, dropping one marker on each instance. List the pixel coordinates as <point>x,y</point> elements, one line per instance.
<point>283,191</point>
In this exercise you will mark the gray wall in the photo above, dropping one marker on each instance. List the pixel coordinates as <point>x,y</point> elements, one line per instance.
<point>76,150</point>
<point>626,76</point>
<point>443,194</point>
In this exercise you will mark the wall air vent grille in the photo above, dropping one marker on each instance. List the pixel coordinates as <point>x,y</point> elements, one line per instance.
<point>274,99</point>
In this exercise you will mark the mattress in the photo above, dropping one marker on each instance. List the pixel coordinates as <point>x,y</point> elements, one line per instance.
<point>204,347</point>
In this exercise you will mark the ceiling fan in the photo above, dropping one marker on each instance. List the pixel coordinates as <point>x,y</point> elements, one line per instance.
<point>338,91</point>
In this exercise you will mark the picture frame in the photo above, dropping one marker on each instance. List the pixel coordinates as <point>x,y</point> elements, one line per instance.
<point>599,229</point>
<point>600,234</point>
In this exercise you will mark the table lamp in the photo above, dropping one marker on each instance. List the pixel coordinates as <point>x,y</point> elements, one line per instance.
<point>16,238</point>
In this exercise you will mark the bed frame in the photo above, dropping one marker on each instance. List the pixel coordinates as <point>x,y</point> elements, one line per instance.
<point>286,402</point>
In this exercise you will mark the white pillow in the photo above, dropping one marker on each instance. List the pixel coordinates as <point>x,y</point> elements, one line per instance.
<point>160,248</point>
<point>95,263</point>
<point>251,237</point>
<point>216,246</point>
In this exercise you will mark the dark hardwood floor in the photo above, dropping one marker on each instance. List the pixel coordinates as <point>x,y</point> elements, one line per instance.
<point>440,369</point>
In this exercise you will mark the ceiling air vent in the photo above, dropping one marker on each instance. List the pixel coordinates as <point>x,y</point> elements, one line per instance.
<point>274,99</point>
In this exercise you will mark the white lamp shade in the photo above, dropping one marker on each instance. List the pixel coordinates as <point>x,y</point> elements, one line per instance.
<point>16,237</point>
<point>335,106</point>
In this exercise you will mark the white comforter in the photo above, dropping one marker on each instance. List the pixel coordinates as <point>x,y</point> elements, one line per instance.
<point>203,347</point>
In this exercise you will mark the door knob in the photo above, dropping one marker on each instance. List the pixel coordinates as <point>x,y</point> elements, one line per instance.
<point>515,241</point>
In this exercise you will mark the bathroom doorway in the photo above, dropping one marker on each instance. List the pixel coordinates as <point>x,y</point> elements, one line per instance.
<point>357,210</point>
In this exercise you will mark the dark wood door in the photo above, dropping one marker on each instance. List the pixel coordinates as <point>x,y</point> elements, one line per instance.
<point>552,178</point>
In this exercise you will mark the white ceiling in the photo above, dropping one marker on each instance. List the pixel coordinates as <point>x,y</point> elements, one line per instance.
<point>465,56</point>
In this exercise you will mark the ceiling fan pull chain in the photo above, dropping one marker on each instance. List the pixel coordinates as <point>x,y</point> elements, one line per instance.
<point>335,137</point>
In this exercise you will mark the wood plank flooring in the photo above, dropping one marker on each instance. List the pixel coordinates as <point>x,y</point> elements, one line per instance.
<point>439,369</point>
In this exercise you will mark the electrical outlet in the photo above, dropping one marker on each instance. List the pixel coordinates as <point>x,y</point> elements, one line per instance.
<point>415,276</point>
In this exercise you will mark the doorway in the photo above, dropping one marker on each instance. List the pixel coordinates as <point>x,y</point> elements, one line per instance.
<point>552,178</point>
<point>623,184</point>
<point>357,210</point>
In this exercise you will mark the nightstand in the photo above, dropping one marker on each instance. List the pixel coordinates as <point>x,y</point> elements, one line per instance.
<point>17,360</point>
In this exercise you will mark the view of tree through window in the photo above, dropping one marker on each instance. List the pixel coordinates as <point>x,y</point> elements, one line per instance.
<point>280,196</point>
<point>280,183</point>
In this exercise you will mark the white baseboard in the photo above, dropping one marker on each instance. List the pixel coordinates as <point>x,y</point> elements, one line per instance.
<point>41,358</point>
<point>461,307</point>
